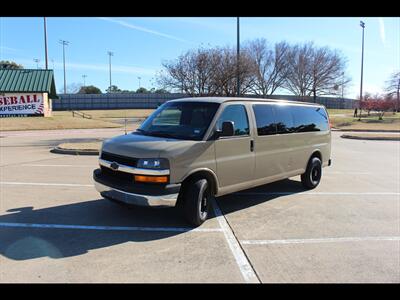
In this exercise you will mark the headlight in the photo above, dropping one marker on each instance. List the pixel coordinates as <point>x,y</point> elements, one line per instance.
<point>153,163</point>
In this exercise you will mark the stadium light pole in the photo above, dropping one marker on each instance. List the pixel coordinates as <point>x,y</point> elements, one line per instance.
<point>36,60</point>
<point>45,43</point>
<point>64,43</point>
<point>110,54</point>
<point>362,24</point>
<point>139,82</point>
<point>84,82</point>
<point>237,55</point>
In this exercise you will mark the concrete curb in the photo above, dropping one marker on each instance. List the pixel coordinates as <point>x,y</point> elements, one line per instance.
<point>372,138</point>
<point>364,130</point>
<point>59,150</point>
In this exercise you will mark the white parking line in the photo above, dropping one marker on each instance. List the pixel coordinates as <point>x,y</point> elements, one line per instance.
<point>45,184</point>
<point>241,194</point>
<point>73,166</point>
<point>347,173</point>
<point>244,265</point>
<point>322,240</point>
<point>108,228</point>
<point>322,193</point>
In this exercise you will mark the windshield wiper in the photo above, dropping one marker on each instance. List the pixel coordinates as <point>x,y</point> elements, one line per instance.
<point>141,131</point>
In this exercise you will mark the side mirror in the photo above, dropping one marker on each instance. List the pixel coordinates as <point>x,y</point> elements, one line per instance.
<point>227,129</point>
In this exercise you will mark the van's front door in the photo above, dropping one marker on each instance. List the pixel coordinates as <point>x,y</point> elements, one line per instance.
<point>235,156</point>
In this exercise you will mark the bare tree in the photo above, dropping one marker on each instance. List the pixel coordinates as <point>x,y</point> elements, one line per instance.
<point>225,80</point>
<point>393,87</point>
<point>327,69</point>
<point>207,72</point>
<point>315,71</point>
<point>270,66</point>
<point>299,76</point>
<point>192,73</point>
<point>303,69</point>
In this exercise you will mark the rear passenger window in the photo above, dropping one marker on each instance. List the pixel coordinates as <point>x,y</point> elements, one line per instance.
<point>320,118</point>
<point>284,118</point>
<point>237,114</point>
<point>265,119</point>
<point>310,118</point>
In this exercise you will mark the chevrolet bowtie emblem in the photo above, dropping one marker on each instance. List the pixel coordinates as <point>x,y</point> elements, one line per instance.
<point>114,165</point>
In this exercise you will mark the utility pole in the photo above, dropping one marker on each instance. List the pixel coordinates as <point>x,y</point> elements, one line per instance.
<point>64,43</point>
<point>84,82</point>
<point>237,56</point>
<point>362,24</point>
<point>36,60</point>
<point>110,54</point>
<point>45,42</point>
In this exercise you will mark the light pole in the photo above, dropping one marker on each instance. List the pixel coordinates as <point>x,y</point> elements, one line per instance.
<point>139,81</point>
<point>64,43</point>
<point>237,55</point>
<point>362,24</point>
<point>110,54</point>
<point>45,42</point>
<point>36,60</point>
<point>84,82</point>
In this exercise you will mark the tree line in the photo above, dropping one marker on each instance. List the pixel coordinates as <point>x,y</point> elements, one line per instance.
<point>262,69</point>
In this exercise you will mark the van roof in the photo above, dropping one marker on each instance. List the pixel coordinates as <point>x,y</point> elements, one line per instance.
<point>229,99</point>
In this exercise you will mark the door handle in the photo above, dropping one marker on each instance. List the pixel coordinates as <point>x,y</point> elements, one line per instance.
<point>251,145</point>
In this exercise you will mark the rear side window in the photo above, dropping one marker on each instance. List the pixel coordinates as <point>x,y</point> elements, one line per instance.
<point>237,114</point>
<point>310,118</point>
<point>265,119</point>
<point>284,119</point>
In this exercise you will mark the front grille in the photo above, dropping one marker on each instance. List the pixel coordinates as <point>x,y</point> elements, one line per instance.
<point>117,176</point>
<point>123,160</point>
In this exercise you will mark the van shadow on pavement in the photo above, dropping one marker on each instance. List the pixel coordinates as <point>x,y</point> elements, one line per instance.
<point>29,243</point>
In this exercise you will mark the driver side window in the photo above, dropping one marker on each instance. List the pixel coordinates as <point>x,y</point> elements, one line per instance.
<point>238,115</point>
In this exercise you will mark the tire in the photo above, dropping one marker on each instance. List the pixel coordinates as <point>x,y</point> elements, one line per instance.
<point>196,201</point>
<point>311,178</point>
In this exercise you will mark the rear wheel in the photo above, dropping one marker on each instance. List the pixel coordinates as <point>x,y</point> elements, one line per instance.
<point>196,201</point>
<point>311,178</point>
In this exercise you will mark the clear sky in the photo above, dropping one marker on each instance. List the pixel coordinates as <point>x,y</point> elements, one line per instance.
<point>141,44</point>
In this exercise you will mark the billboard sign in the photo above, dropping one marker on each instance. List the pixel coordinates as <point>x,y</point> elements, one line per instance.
<point>21,104</point>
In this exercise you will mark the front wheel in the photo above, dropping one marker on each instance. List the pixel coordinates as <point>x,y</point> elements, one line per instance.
<point>196,201</point>
<point>311,178</point>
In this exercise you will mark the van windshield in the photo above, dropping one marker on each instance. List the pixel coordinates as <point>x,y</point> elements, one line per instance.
<point>180,120</point>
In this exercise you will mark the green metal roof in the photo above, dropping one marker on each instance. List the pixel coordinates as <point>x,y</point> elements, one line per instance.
<point>27,81</point>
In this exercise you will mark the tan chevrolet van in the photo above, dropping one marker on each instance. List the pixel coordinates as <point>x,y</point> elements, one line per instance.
<point>192,149</point>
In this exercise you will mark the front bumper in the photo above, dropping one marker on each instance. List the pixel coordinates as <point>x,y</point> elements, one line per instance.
<point>165,196</point>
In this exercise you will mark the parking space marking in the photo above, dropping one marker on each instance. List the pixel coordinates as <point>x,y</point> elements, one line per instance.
<point>108,228</point>
<point>322,240</point>
<point>45,184</point>
<point>348,173</point>
<point>74,166</point>
<point>322,193</point>
<point>245,267</point>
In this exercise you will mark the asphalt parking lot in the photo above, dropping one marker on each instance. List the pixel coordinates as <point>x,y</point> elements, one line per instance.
<point>54,226</point>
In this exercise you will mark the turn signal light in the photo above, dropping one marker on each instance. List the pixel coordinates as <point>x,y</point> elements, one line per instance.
<point>154,179</point>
